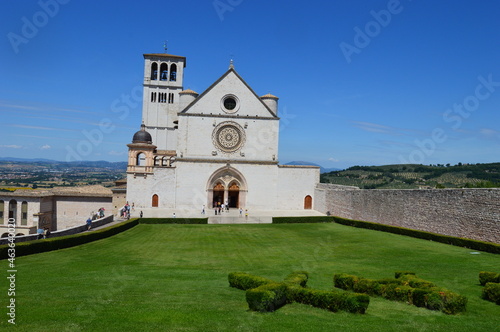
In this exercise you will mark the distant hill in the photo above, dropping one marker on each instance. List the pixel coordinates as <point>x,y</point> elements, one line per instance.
<point>411,176</point>
<point>306,163</point>
<point>119,165</point>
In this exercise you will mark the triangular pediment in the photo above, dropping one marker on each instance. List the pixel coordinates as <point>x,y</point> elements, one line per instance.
<point>229,96</point>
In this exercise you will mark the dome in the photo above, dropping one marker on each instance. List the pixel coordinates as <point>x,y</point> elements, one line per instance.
<point>142,136</point>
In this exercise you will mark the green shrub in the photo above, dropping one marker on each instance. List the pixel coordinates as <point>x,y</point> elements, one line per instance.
<point>330,300</point>
<point>407,288</point>
<point>246,281</point>
<point>302,220</point>
<point>399,274</point>
<point>485,277</point>
<point>298,277</point>
<point>55,243</point>
<point>491,292</point>
<point>267,298</point>
<point>266,295</point>
<point>344,281</point>
<point>456,241</point>
<point>413,281</point>
<point>196,221</point>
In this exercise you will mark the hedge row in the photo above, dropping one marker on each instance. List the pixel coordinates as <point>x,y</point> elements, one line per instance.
<point>330,300</point>
<point>456,241</point>
<point>485,277</point>
<point>491,283</point>
<point>266,295</point>
<point>246,281</point>
<point>196,221</point>
<point>302,220</point>
<point>44,245</point>
<point>406,288</point>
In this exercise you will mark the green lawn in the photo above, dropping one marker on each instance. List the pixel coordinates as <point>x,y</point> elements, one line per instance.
<point>174,278</point>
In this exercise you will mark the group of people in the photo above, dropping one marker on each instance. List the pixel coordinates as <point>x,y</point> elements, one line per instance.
<point>43,233</point>
<point>219,208</point>
<point>125,210</point>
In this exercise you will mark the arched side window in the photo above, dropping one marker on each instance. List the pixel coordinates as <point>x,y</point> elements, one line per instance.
<point>173,72</point>
<point>13,209</point>
<point>1,212</point>
<point>154,71</point>
<point>141,159</point>
<point>164,72</point>
<point>24,213</point>
<point>154,201</point>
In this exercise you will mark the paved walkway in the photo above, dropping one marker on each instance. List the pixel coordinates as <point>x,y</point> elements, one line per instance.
<point>229,217</point>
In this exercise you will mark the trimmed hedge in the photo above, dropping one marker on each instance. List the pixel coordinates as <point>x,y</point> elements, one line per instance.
<point>50,244</point>
<point>302,220</point>
<point>485,277</point>
<point>330,300</point>
<point>195,221</point>
<point>407,288</point>
<point>455,241</point>
<point>246,281</point>
<point>266,295</point>
<point>298,278</point>
<point>491,292</point>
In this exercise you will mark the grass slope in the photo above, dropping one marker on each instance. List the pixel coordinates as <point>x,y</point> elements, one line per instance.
<point>174,278</point>
<point>412,176</point>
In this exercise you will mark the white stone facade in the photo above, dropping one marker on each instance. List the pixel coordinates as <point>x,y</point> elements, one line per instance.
<point>55,209</point>
<point>220,147</point>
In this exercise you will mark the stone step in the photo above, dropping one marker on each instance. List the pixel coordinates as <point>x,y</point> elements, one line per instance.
<point>240,220</point>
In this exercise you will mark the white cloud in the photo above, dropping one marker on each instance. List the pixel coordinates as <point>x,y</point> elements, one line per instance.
<point>45,147</point>
<point>333,159</point>
<point>11,146</point>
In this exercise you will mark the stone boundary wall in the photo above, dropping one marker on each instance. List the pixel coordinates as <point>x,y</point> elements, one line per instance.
<point>465,213</point>
<point>67,231</point>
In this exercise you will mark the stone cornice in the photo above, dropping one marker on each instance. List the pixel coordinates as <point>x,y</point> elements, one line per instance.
<point>229,116</point>
<point>226,161</point>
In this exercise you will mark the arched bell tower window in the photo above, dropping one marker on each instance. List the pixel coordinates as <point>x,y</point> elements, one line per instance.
<point>154,71</point>
<point>173,72</point>
<point>164,72</point>
<point>141,159</point>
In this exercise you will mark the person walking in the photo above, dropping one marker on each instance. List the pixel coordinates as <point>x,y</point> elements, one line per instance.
<point>89,224</point>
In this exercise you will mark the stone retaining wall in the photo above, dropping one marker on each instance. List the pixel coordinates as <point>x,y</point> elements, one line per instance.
<point>67,231</point>
<point>466,213</point>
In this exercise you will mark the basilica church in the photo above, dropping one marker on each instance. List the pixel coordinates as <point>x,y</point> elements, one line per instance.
<point>217,147</point>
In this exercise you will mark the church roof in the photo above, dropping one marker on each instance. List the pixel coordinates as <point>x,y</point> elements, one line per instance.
<point>269,96</point>
<point>189,91</point>
<point>164,55</point>
<point>230,70</point>
<point>142,136</point>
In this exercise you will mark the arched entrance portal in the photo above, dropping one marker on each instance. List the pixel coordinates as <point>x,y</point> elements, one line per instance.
<point>227,186</point>
<point>233,195</point>
<point>218,194</point>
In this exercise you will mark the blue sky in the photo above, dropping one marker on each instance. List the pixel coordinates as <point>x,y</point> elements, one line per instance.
<point>360,82</point>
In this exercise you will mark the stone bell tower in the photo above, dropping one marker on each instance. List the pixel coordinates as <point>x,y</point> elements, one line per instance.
<point>163,80</point>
